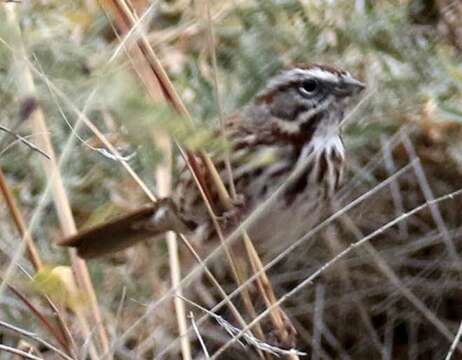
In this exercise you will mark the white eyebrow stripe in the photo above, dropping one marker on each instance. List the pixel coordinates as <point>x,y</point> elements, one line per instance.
<point>322,74</point>
<point>295,75</point>
<point>300,74</point>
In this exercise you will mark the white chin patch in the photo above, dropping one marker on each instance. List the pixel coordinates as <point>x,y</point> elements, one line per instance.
<point>288,127</point>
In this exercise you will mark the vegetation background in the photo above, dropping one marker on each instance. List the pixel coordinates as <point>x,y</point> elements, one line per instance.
<point>65,66</point>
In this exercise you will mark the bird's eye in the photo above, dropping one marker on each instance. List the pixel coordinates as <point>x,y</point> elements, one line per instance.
<point>308,87</point>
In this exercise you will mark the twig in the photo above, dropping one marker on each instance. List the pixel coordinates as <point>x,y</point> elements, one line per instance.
<point>19,352</point>
<point>247,337</point>
<point>163,179</point>
<point>317,323</point>
<point>198,335</point>
<point>394,279</point>
<point>35,337</point>
<point>25,141</point>
<point>211,43</point>
<point>454,343</point>
<point>394,186</point>
<point>20,224</point>
<point>56,334</point>
<point>34,258</point>
<point>434,209</point>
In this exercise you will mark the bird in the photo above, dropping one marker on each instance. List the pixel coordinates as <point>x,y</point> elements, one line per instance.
<point>292,123</point>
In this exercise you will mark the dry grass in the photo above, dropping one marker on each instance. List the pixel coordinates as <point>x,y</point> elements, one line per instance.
<point>114,84</point>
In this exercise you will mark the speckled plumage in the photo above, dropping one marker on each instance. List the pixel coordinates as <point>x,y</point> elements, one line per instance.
<point>294,118</point>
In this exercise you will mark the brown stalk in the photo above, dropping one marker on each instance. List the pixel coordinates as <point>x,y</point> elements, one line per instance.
<point>163,173</point>
<point>37,119</point>
<point>43,319</point>
<point>20,224</point>
<point>164,183</point>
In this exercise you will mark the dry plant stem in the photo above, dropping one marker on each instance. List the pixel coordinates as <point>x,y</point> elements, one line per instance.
<point>163,180</point>
<point>44,198</point>
<point>228,251</point>
<point>20,224</point>
<point>24,141</point>
<point>211,42</point>
<point>215,282</point>
<point>388,272</point>
<point>317,322</point>
<point>390,166</point>
<point>21,353</point>
<point>248,339</point>
<point>168,90</point>
<point>454,343</point>
<point>25,79</point>
<point>55,332</point>
<point>344,273</point>
<point>434,209</point>
<point>163,173</point>
<point>198,335</point>
<point>63,337</point>
<point>28,348</point>
<point>310,279</point>
<point>134,54</point>
<point>266,290</point>
<point>34,337</point>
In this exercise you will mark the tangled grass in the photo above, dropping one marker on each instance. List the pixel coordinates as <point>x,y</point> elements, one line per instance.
<point>380,278</point>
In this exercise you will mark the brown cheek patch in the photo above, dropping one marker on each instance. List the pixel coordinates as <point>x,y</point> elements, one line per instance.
<point>265,99</point>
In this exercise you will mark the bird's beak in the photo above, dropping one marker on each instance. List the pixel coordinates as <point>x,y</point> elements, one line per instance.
<point>350,86</point>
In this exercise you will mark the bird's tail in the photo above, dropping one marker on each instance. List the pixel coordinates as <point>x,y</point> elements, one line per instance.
<point>125,231</point>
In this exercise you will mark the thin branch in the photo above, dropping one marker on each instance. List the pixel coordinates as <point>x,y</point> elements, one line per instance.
<point>454,343</point>
<point>247,337</point>
<point>34,337</point>
<point>164,185</point>
<point>19,352</point>
<point>198,335</point>
<point>24,141</point>
<point>434,209</point>
<point>394,279</point>
<point>317,323</point>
